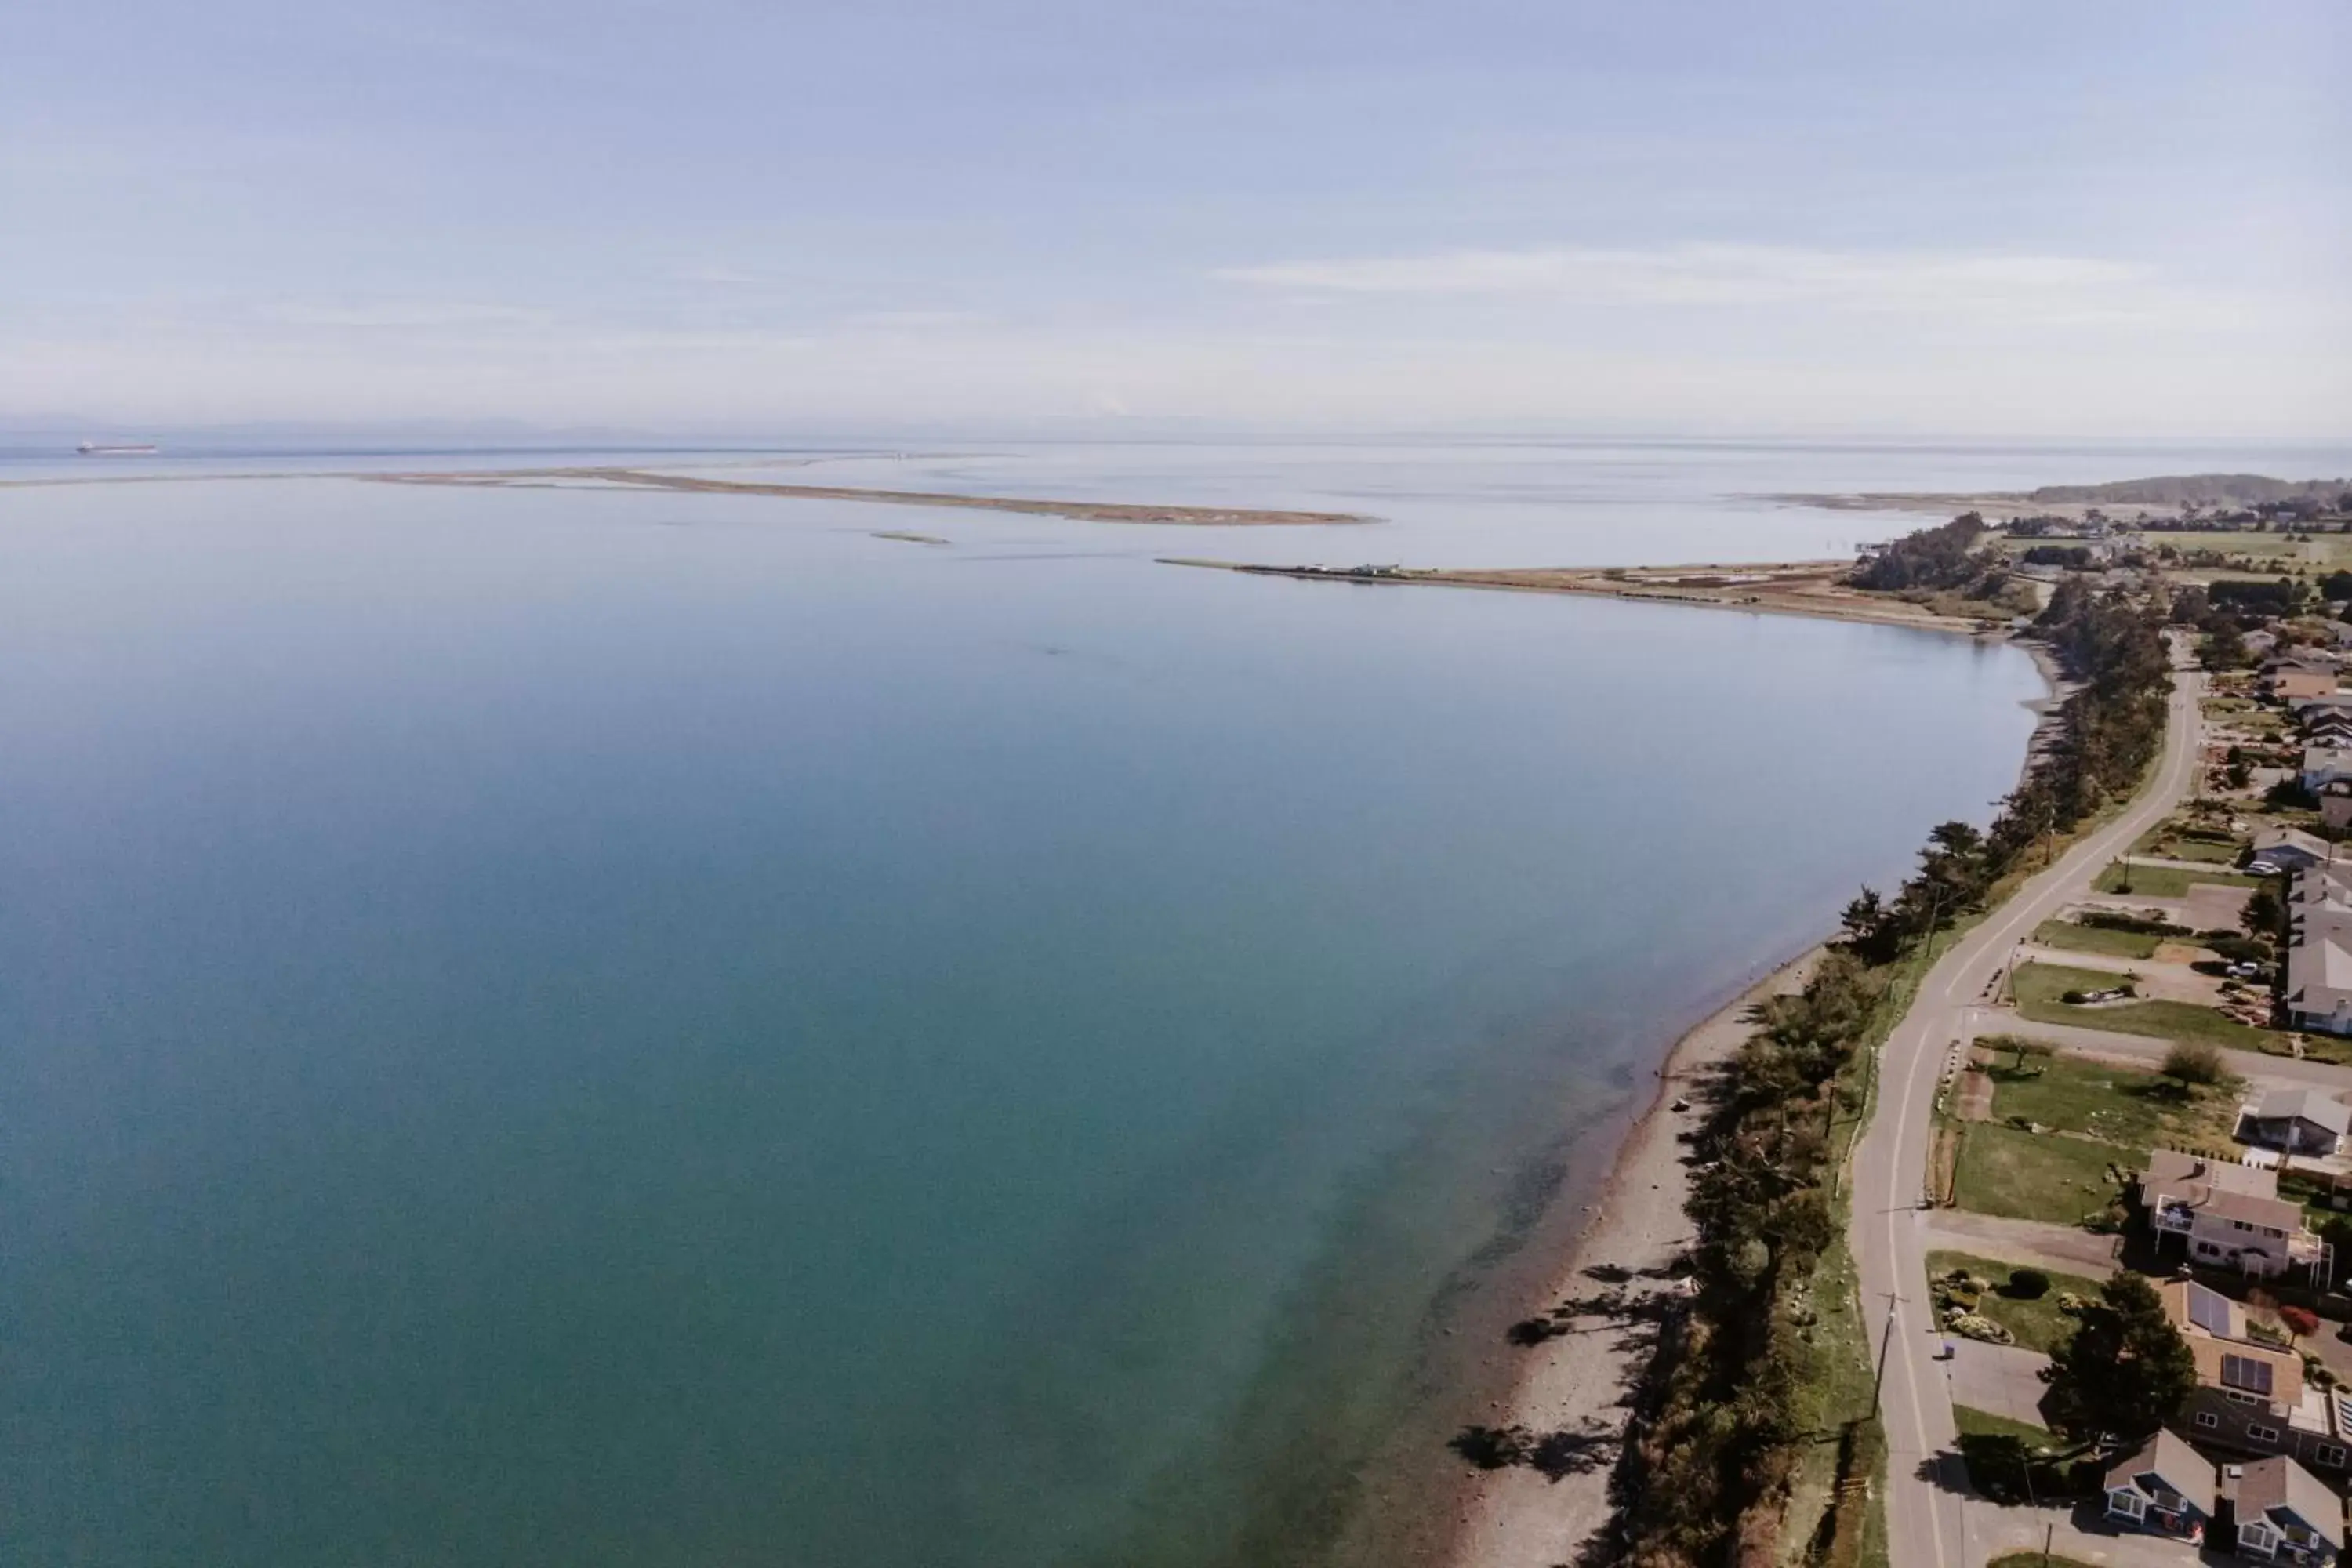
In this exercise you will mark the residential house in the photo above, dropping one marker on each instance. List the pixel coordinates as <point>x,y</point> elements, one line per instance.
<point>2229,1215</point>
<point>2336,803</point>
<point>2286,1514</point>
<point>2329,727</point>
<point>2251,1394</point>
<point>2295,1121</point>
<point>2167,1488</point>
<point>2318,991</point>
<point>2291,848</point>
<point>2290,678</point>
<point>2324,765</point>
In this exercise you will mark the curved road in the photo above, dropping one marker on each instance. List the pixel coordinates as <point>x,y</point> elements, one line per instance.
<point>1927,1516</point>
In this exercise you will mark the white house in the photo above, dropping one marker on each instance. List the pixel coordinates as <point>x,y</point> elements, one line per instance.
<point>2228,1215</point>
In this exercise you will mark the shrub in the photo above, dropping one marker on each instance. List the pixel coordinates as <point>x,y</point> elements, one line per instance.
<point>2238,949</point>
<point>2194,1061</point>
<point>2121,920</point>
<point>2028,1284</point>
<point>1979,1327</point>
<point>2299,1320</point>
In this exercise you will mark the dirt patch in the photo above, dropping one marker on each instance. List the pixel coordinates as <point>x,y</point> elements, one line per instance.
<point>1972,1095</point>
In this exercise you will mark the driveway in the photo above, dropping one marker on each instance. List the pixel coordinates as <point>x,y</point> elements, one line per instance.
<point>2213,906</point>
<point>2069,1249</point>
<point>2000,1380</point>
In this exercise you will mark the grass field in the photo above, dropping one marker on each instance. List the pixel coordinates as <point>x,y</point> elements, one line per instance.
<point>1975,1423</point>
<point>2038,1324</point>
<point>2038,987</point>
<point>2164,841</point>
<point>2115,1105</point>
<point>2165,881</point>
<point>2022,1175</point>
<point>2096,939</point>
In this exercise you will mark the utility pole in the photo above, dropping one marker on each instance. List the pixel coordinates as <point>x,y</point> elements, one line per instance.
<point>1885,1343</point>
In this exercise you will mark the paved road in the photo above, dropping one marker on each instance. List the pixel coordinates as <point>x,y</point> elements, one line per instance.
<point>1929,1515</point>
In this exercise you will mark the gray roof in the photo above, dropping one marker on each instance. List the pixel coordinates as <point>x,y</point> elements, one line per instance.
<point>2295,838</point>
<point>2279,1482</point>
<point>2173,1170</point>
<point>2304,1105</point>
<point>2173,1465</point>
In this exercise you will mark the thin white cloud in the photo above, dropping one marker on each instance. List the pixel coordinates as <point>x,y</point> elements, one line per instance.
<point>717,274</point>
<point>1702,275</point>
<point>911,321</point>
<point>403,315</point>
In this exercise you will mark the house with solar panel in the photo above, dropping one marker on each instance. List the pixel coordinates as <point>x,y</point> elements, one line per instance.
<point>2251,1392</point>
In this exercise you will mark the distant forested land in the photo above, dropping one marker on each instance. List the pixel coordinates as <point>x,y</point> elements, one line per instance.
<point>2194,489</point>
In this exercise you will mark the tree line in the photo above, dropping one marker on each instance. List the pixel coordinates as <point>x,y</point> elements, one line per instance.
<point>1941,557</point>
<point>2109,731</point>
<point>1712,1463</point>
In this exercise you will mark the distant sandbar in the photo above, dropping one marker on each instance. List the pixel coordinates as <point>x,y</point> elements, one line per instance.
<point>1082,510</point>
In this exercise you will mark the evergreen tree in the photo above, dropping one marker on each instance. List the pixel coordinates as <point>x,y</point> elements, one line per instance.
<point>2127,1370</point>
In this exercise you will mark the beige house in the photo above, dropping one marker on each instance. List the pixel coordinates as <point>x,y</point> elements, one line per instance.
<point>2288,681</point>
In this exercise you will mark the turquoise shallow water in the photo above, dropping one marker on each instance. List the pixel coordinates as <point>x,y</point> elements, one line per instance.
<point>550,1027</point>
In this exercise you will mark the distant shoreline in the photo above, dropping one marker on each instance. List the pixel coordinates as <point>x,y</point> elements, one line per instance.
<point>1809,588</point>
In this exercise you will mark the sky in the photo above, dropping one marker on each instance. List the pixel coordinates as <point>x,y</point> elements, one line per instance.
<point>2039,219</point>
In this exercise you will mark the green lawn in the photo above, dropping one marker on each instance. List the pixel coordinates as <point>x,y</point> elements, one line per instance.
<point>2038,987</point>
<point>2096,939</point>
<point>2164,882</point>
<point>2024,1176</point>
<point>2119,1105</point>
<point>2038,1324</point>
<point>1975,1423</point>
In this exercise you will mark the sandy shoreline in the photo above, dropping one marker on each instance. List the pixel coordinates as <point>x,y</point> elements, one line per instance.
<point>1813,589</point>
<point>1583,1383</point>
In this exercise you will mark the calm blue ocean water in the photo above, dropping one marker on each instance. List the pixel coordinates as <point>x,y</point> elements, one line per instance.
<point>579,1028</point>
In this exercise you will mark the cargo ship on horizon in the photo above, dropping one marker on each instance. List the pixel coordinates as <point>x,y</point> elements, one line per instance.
<point>116,449</point>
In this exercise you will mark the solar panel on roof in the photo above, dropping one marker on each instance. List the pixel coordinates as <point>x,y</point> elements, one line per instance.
<point>2208,1311</point>
<point>2246,1373</point>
